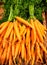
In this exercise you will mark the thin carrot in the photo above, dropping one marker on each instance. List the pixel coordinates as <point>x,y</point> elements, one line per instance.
<point>23,49</point>
<point>43,47</point>
<point>10,27</point>
<point>23,21</point>
<point>28,44</point>
<point>38,32</point>
<point>33,33</point>
<point>13,48</point>
<point>4,27</point>
<point>33,59</point>
<point>4,55</point>
<point>17,49</point>
<point>8,52</point>
<point>11,36</point>
<point>38,51</point>
<point>17,31</point>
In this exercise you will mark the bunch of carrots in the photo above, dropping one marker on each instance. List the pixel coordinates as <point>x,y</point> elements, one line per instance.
<point>21,41</point>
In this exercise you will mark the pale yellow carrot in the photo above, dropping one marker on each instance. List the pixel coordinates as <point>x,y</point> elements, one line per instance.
<point>17,31</point>
<point>21,20</point>
<point>8,31</point>
<point>38,32</point>
<point>4,27</point>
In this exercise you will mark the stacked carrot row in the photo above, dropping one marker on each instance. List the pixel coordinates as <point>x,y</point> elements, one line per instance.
<point>21,41</point>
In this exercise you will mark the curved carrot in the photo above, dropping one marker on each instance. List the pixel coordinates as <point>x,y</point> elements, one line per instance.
<point>23,21</point>
<point>4,27</point>
<point>2,24</point>
<point>10,27</point>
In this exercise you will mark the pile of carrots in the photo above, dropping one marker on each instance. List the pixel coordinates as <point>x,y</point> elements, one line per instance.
<point>21,41</point>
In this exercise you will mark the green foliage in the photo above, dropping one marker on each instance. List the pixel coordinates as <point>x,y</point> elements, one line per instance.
<point>24,9</point>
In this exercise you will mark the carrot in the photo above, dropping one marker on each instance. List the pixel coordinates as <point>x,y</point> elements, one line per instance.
<point>38,32</point>
<point>43,47</point>
<point>13,48</point>
<point>17,31</point>
<point>23,49</point>
<point>5,42</point>
<point>38,51</point>
<point>4,27</point>
<point>22,30</point>
<point>17,49</point>
<point>8,52</point>
<point>11,36</point>
<point>33,33</point>
<point>10,27</point>
<point>42,31</point>
<point>2,24</point>
<point>33,59</point>
<point>4,55</point>
<point>28,44</point>
<point>41,25</point>
<point>23,21</point>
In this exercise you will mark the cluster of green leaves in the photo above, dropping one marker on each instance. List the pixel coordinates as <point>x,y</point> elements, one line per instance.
<point>24,9</point>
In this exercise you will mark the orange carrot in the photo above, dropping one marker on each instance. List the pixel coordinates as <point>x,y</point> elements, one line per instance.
<point>4,27</point>
<point>38,32</point>
<point>10,27</point>
<point>23,21</point>
<point>33,33</point>
<point>17,49</point>
<point>38,51</point>
<point>43,47</point>
<point>17,31</point>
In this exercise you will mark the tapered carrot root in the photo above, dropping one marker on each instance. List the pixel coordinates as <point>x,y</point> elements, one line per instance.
<point>10,27</point>
<point>23,21</point>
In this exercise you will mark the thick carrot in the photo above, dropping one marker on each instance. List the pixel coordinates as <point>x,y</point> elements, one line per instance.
<point>33,33</point>
<point>38,32</point>
<point>23,21</point>
<point>4,27</point>
<point>17,31</point>
<point>38,51</point>
<point>43,47</point>
<point>2,24</point>
<point>10,27</point>
<point>17,49</point>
